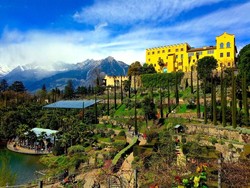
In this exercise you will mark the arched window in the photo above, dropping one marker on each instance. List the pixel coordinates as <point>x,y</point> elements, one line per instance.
<point>228,44</point>
<point>221,45</point>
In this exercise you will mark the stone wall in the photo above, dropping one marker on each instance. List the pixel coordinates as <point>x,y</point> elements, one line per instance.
<point>218,132</point>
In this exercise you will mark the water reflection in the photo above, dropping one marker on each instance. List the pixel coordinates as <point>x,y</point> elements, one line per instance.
<point>21,165</point>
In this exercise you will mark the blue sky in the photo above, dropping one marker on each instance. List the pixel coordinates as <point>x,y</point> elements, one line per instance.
<point>45,32</point>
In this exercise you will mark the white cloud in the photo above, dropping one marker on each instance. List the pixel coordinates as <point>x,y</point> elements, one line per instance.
<point>46,47</point>
<point>134,11</point>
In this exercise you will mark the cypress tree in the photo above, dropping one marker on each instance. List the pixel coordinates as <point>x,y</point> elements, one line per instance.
<point>244,99</point>
<point>223,100</point>
<point>176,89</point>
<point>205,101</point>
<point>198,98</point>
<point>121,91</point>
<point>169,105</point>
<point>161,106</point>
<point>214,102</point>
<point>233,108</point>
<point>115,91</point>
<point>192,87</point>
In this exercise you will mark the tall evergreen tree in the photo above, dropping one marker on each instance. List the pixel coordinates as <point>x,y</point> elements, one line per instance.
<point>214,101</point>
<point>205,67</point>
<point>18,86</point>
<point>169,105</point>
<point>3,85</point>
<point>198,98</point>
<point>223,99</point>
<point>234,106</point>
<point>115,91</point>
<point>69,90</point>
<point>244,99</point>
<point>176,88</point>
<point>192,87</point>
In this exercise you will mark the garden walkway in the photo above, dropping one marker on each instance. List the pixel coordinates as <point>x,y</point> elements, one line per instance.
<point>126,171</point>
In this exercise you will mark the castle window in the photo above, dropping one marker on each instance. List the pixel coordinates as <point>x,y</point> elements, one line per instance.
<point>210,51</point>
<point>220,64</point>
<point>228,64</point>
<point>149,59</point>
<point>228,44</point>
<point>221,45</point>
<point>154,65</point>
<point>191,54</point>
<point>176,50</point>
<point>181,49</point>
<point>181,56</point>
<point>148,53</point>
<point>176,56</point>
<point>193,60</point>
<point>221,54</point>
<point>158,52</point>
<point>153,52</point>
<point>169,50</point>
<point>228,54</point>
<point>163,51</point>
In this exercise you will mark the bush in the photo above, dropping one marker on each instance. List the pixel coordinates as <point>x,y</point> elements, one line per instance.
<point>76,149</point>
<point>110,133</point>
<point>183,139</point>
<point>122,133</point>
<point>230,146</point>
<point>57,150</point>
<point>213,140</point>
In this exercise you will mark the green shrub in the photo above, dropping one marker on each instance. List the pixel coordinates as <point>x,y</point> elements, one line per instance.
<point>183,139</point>
<point>110,133</point>
<point>57,150</point>
<point>122,133</point>
<point>230,146</point>
<point>222,142</point>
<point>213,140</point>
<point>75,149</point>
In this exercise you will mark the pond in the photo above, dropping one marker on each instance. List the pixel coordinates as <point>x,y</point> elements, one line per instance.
<point>23,165</point>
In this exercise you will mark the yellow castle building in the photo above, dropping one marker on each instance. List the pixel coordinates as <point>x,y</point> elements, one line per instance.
<point>181,57</point>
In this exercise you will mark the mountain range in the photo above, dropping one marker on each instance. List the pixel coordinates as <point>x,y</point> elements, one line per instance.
<point>82,73</point>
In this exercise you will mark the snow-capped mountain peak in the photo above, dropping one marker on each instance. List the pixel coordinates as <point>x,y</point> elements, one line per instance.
<point>4,71</point>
